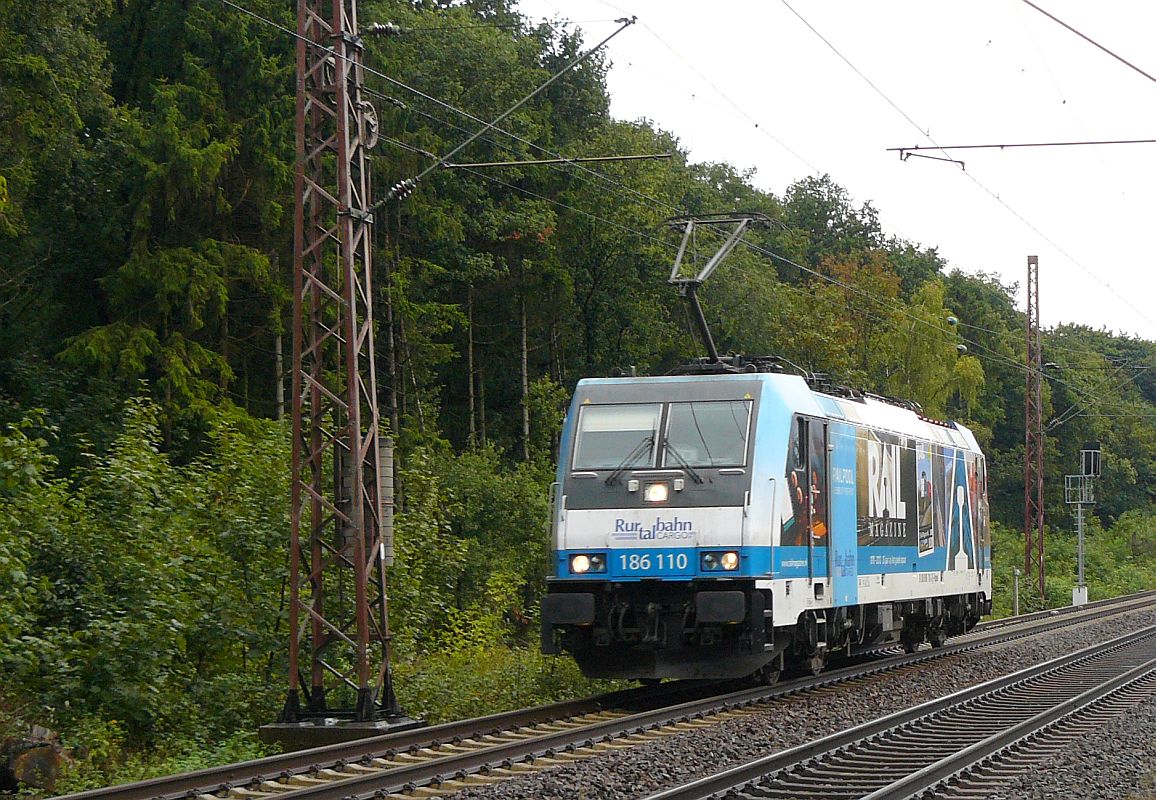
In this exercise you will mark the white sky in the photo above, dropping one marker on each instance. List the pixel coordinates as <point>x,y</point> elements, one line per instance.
<point>978,72</point>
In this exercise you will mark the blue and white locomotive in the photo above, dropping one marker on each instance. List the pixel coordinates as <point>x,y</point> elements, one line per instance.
<point>730,524</point>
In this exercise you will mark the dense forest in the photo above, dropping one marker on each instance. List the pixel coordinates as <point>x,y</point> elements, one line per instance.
<point>146,180</point>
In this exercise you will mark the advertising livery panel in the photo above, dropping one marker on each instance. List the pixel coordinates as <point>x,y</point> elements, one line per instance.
<point>918,504</point>
<point>923,497</point>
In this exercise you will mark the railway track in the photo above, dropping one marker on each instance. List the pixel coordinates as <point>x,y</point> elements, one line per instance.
<point>993,624</point>
<point>445,758</point>
<point>1004,727</point>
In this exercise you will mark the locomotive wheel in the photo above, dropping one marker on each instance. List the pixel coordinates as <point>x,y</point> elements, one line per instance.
<point>909,642</point>
<point>937,637</point>
<point>815,664</point>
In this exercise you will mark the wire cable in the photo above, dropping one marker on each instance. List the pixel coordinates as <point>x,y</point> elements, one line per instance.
<point>624,24</point>
<point>734,105</point>
<point>969,175</point>
<point>1091,41</point>
<point>986,352</point>
<point>601,176</point>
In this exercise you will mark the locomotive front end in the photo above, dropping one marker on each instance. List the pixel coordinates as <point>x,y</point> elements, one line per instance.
<point>655,546</point>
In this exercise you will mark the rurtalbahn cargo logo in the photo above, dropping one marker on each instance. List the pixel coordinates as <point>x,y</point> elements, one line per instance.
<point>676,529</point>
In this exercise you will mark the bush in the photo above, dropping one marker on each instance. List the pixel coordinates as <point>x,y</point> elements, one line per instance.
<point>478,680</point>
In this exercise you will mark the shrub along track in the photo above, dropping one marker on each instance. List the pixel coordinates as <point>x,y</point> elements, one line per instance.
<point>445,758</point>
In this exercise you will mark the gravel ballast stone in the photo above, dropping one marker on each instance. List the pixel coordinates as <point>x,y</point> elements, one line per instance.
<point>637,772</point>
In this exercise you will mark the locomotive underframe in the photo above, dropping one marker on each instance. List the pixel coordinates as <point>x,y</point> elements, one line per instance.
<point>718,630</point>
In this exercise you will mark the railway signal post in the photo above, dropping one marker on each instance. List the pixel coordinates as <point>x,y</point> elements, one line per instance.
<point>1079,491</point>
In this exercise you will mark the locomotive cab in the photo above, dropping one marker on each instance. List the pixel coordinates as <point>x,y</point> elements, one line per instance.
<point>655,548</point>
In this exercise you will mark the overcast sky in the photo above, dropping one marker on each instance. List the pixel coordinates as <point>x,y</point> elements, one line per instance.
<point>980,72</point>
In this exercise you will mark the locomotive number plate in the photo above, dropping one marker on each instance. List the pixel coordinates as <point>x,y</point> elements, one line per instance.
<point>670,561</point>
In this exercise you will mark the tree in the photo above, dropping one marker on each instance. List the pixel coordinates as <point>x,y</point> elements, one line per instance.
<point>928,368</point>
<point>834,228</point>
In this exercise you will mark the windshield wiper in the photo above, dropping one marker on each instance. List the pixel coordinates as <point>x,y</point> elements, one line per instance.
<point>647,441</point>
<point>682,462</point>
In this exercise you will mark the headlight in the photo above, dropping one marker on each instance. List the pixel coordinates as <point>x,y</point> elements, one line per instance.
<point>725,561</point>
<point>657,492</point>
<point>582,563</point>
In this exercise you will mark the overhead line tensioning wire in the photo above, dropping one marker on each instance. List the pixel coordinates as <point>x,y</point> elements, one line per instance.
<point>881,301</point>
<point>1007,335</point>
<point>970,176</point>
<point>670,245</point>
<point>461,112</point>
<point>654,201</point>
<point>734,105</point>
<point>509,25</point>
<point>986,354</point>
<point>1091,41</point>
<point>771,254</point>
<point>608,180</point>
<point>527,192</point>
<point>625,23</point>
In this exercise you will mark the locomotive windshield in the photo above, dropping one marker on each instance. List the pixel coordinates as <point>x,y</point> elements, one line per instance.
<point>617,436</point>
<point>707,434</point>
<point>697,434</point>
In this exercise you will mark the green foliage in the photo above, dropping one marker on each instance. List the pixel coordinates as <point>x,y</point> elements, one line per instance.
<point>423,588</point>
<point>54,78</point>
<point>104,758</point>
<point>548,401</point>
<point>146,586</point>
<point>1117,560</point>
<point>477,680</point>
<point>927,369</point>
<point>24,486</point>
<point>472,546</point>
<point>832,226</point>
<point>173,305</point>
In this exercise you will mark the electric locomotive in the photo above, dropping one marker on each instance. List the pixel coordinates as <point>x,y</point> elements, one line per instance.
<point>722,525</point>
<point>732,520</point>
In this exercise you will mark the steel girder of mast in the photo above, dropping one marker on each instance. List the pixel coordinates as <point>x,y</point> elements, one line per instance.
<point>1034,437</point>
<point>341,516</point>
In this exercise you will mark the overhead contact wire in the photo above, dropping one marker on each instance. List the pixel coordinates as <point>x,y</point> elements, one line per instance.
<point>971,177</point>
<point>634,192</point>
